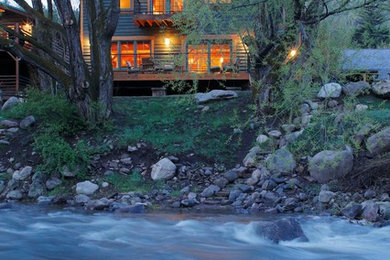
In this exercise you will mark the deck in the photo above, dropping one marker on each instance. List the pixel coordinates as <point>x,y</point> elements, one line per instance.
<point>123,75</point>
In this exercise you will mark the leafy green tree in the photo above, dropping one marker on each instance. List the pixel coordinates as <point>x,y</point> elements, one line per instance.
<point>371,31</point>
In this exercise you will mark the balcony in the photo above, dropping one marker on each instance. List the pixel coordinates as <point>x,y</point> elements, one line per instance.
<point>156,13</point>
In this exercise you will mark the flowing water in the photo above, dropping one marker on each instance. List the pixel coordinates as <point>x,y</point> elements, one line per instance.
<point>30,232</point>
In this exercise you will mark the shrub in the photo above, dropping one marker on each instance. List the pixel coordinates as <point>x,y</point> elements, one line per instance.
<point>133,182</point>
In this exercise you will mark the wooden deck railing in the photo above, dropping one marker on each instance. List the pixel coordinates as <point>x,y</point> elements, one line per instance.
<point>11,86</point>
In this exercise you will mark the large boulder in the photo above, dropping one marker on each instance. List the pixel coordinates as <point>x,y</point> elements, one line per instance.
<point>215,95</point>
<point>15,195</point>
<point>380,142</point>
<point>281,161</point>
<point>329,165</point>
<point>163,170</point>
<point>356,88</point>
<point>27,122</point>
<point>22,174</point>
<point>36,189</point>
<point>8,124</point>
<point>370,211</point>
<point>331,90</point>
<point>86,188</point>
<point>382,88</point>
<point>282,230</point>
<point>11,102</point>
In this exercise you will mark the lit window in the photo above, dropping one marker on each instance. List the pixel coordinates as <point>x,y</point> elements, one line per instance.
<point>176,6</point>
<point>127,54</point>
<point>219,55</point>
<point>114,55</point>
<point>159,7</point>
<point>197,58</point>
<point>125,4</point>
<point>131,53</point>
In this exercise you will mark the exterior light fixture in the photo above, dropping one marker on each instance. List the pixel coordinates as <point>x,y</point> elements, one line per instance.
<point>293,53</point>
<point>27,27</point>
<point>167,41</point>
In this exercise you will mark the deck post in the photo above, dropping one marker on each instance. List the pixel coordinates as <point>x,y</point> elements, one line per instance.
<point>17,75</point>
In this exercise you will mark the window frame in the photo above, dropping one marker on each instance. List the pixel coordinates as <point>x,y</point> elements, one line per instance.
<point>119,40</point>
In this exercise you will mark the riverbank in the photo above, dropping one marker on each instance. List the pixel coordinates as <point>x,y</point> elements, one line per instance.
<point>164,158</point>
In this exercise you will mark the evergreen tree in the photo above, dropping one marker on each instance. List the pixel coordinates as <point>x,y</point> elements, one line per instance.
<point>371,31</point>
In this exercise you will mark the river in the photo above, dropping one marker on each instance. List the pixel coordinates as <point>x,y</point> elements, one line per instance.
<point>32,232</point>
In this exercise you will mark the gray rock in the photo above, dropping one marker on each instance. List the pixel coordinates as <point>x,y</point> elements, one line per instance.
<point>189,202</point>
<point>213,95</point>
<point>289,128</point>
<point>134,209</point>
<point>384,209</point>
<point>23,174</point>
<point>4,142</point>
<point>8,124</point>
<point>255,177</point>
<point>14,195</point>
<point>86,188</point>
<point>132,148</point>
<point>81,199</point>
<point>100,204</point>
<point>352,211</point>
<point>27,122</point>
<point>163,170</point>
<point>210,191</point>
<point>231,175</point>
<point>52,183</point>
<point>332,103</point>
<point>66,172</point>
<point>275,134</point>
<point>262,139</point>
<point>313,105</point>
<point>370,211</point>
<point>356,88</point>
<point>290,138</point>
<point>234,194</point>
<point>330,165</point>
<point>369,194</point>
<point>361,107</point>
<point>282,230</point>
<point>382,88</point>
<point>244,188</point>
<point>11,102</point>
<point>325,196</point>
<point>250,158</point>
<point>282,161</point>
<point>36,189</point>
<point>2,186</point>
<point>331,90</point>
<point>380,142</point>
<point>221,182</point>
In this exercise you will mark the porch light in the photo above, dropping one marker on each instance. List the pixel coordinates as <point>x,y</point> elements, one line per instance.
<point>167,41</point>
<point>293,53</point>
<point>27,27</point>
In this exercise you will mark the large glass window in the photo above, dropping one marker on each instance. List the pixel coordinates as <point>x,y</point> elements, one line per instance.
<point>124,53</point>
<point>197,58</point>
<point>125,4</point>
<point>159,6</point>
<point>208,55</point>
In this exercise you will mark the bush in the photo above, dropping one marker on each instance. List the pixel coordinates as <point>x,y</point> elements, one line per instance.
<point>133,182</point>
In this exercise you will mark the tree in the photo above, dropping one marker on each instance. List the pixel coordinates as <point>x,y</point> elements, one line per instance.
<point>270,29</point>
<point>371,31</point>
<point>89,86</point>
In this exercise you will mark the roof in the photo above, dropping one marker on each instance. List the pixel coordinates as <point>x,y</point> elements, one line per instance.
<point>367,60</point>
<point>14,10</point>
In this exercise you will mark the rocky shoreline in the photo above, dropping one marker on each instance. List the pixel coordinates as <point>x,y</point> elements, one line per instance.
<point>267,181</point>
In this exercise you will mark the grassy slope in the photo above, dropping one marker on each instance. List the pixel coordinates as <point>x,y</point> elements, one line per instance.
<point>175,125</point>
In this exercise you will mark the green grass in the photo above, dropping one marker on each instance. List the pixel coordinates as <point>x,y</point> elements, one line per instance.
<point>133,182</point>
<point>176,125</point>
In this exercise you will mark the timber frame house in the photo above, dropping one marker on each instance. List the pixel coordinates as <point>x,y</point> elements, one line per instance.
<point>15,73</point>
<point>147,50</point>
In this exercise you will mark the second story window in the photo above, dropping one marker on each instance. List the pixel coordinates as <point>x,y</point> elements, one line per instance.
<point>125,4</point>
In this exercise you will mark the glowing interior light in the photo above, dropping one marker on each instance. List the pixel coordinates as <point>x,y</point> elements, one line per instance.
<point>167,41</point>
<point>293,53</point>
<point>221,60</point>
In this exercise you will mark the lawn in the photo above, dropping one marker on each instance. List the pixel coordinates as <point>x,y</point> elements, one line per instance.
<point>176,125</point>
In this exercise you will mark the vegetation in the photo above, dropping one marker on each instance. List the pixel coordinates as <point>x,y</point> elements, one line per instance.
<point>175,125</point>
<point>134,182</point>
<point>371,31</point>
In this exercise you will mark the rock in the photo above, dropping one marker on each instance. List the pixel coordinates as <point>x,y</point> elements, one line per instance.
<point>86,188</point>
<point>202,98</point>
<point>132,148</point>
<point>27,122</point>
<point>100,204</point>
<point>244,188</point>
<point>4,142</point>
<point>290,138</point>
<point>269,185</point>
<point>370,211</point>
<point>210,191</point>
<point>305,108</point>
<point>23,174</point>
<point>255,177</point>
<point>189,202</point>
<point>384,209</point>
<point>36,189</point>
<point>369,194</point>
<point>8,124</point>
<point>126,161</point>
<point>332,103</point>
<point>380,142</point>
<point>331,90</point>
<point>231,175</point>
<point>14,195</point>
<point>163,170</point>
<point>134,209</point>
<point>282,230</point>
<point>192,196</point>
<point>205,109</point>
<point>356,88</point>
<point>52,183</point>
<point>13,130</point>
<point>108,173</point>
<point>11,102</point>
<point>382,88</point>
<point>352,211</point>
<point>234,194</point>
<point>275,134</point>
<point>105,184</point>
<point>282,161</point>
<point>81,199</point>
<point>361,107</point>
<point>2,186</point>
<point>262,139</point>
<point>330,165</point>
<point>44,199</point>
<point>313,105</point>
<point>289,128</point>
<point>250,158</point>
<point>221,182</point>
<point>66,172</point>
<point>325,196</point>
